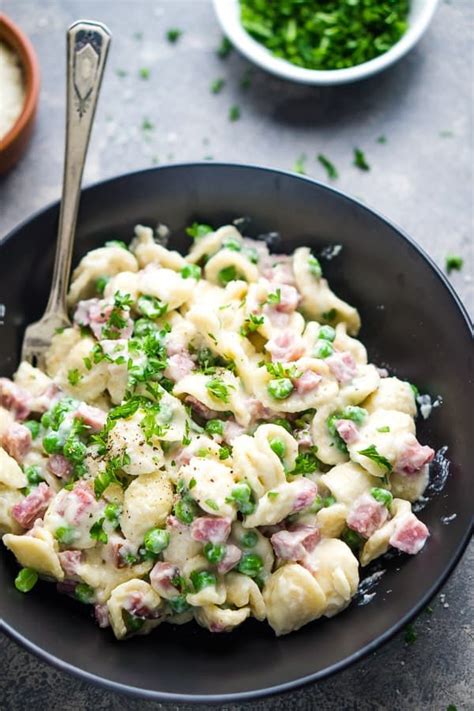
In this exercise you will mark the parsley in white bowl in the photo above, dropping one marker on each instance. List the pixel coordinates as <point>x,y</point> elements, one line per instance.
<point>286,42</point>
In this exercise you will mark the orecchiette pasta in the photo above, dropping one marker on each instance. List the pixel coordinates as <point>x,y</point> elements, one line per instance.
<point>208,442</point>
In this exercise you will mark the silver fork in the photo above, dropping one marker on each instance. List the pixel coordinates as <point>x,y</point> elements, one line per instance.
<point>87,48</point>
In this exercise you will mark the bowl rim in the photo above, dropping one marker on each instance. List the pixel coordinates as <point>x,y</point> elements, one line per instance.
<point>260,55</point>
<point>369,647</point>
<point>30,66</point>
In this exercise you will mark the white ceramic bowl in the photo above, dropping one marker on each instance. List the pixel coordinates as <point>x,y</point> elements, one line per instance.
<point>228,14</point>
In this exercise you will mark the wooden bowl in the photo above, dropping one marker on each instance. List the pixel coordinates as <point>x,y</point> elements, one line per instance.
<point>14,143</point>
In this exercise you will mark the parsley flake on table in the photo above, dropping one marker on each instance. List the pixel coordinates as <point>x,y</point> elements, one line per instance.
<point>454,263</point>
<point>382,139</point>
<point>173,34</point>
<point>234,113</point>
<point>147,125</point>
<point>299,166</point>
<point>217,85</point>
<point>246,81</point>
<point>410,634</point>
<point>144,73</point>
<point>225,48</point>
<point>121,73</point>
<point>360,160</point>
<point>328,166</point>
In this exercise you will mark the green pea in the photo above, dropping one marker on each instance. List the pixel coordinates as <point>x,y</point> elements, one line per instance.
<point>74,449</point>
<point>241,495</point>
<point>156,540</point>
<point>249,539</point>
<point>33,474</point>
<point>314,267</point>
<point>250,564</point>
<point>185,510</point>
<point>84,593</point>
<point>227,274</point>
<point>178,604</point>
<point>214,552</point>
<point>65,535</point>
<point>383,496</point>
<point>33,426</point>
<point>280,388</point>
<point>327,333</point>
<point>282,423</point>
<point>26,580</point>
<point>191,271</point>
<point>352,539</point>
<point>202,579</point>
<point>215,427</point>
<point>323,349</point>
<point>52,443</point>
<point>101,283</point>
<point>279,447</point>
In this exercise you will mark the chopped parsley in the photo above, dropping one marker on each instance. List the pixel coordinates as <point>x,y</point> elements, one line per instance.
<point>410,634</point>
<point>218,389</point>
<point>246,80</point>
<point>299,166</point>
<point>314,266</point>
<point>225,48</point>
<point>191,271</point>
<point>453,263</point>
<point>306,462</point>
<point>173,34</point>
<point>234,113</point>
<point>144,73</point>
<point>121,73</point>
<point>382,139</point>
<point>74,377</point>
<point>371,453</point>
<point>328,166</point>
<point>97,531</point>
<point>359,160</point>
<point>198,230</point>
<point>275,298</point>
<point>217,85</point>
<point>212,504</point>
<point>147,125</point>
<point>251,324</point>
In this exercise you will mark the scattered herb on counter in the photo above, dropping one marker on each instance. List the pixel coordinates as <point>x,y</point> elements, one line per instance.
<point>446,134</point>
<point>147,125</point>
<point>246,80</point>
<point>144,73</point>
<point>121,73</point>
<point>326,34</point>
<point>234,113</point>
<point>173,34</point>
<point>225,48</point>
<point>454,263</point>
<point>359,160</point>
<point>410,634</point>
<point>328,166</point>
<point>217,86</point>
<point>138,36</point>
<point>299,166</point>
<point>382,139</point>
<point>451,707</point>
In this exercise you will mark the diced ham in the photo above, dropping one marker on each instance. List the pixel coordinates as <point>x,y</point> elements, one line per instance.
<point>174,344</point>
<point>70,561</point>
<point>14,398</point>
<point>347,430</point>
<point>383,372</point>
<point>67,587</point>
<point>231,557</point>
<point>307,382</point>
<point>413,456</point>
<point>93,417</point>
<point>59,466</point>
<point>179,365</point>
<point>278,268</point>
<point>47,399</point>
<point>16,440</point>
<point>295,543</point>
<point>366,515</point>
<point>232,430</point>
<point>278,319</point>
<point>210,529</point>
<point>101,614</point>
<point>200,408</point>
<point>175,524</point>
<point>289,299</point>
<point>410,534</point>
<point>307,493</point>
<point>136,606</point>
<point>32,506</point>
<point>285,346</point>
<point>342,366</point>
<point>259,411</point>
<point>161,579</point>
<point>96,312</point>
<point>76,504</point>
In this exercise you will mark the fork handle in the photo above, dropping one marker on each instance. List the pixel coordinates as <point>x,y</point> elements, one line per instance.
<point>87,48</point>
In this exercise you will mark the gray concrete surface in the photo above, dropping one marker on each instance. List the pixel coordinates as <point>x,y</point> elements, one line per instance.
<point>421,178</point>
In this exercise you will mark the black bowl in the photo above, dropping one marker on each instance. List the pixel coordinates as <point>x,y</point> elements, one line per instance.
<point>412,321</point>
